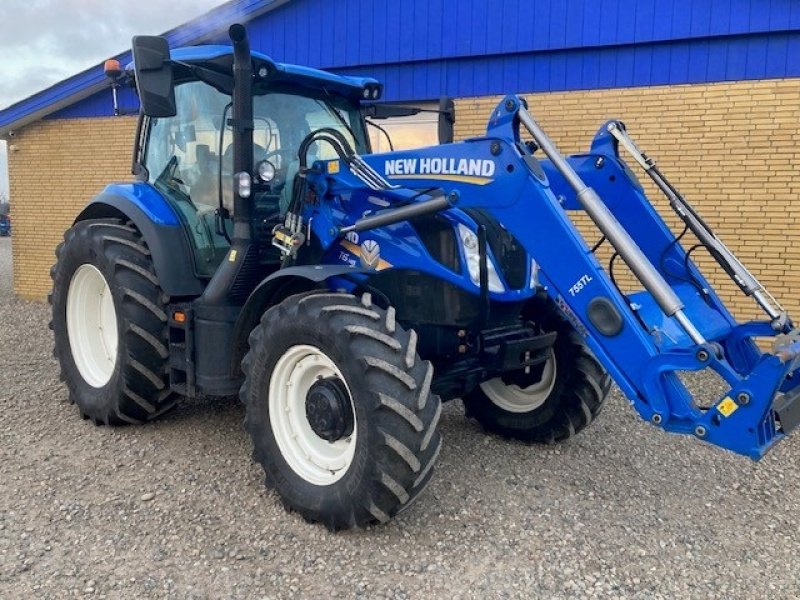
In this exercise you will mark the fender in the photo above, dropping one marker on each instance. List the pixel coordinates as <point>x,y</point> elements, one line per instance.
<point>274,289</point>
<point>162,230</point>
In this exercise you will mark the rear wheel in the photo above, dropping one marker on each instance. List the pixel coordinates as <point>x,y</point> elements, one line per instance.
<point>548,405</point>
<point>339,408</point>
<point>110,324</point>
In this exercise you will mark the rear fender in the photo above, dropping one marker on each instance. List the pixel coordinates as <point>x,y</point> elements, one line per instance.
<point>158,223</point>
<point>276,288</point>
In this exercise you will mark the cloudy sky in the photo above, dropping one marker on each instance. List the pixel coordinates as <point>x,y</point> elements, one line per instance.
<point>45,41</point>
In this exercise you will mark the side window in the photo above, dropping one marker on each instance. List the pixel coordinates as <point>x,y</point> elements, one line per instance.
<point>183,162</point>
<point>416,131</point>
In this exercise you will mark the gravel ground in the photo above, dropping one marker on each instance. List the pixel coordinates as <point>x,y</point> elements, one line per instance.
<point>177,509</point>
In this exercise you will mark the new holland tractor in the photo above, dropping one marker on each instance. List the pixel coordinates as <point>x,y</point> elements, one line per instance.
<point>264,250</point>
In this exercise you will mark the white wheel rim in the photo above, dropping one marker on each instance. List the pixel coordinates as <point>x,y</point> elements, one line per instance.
<point>92,325</point>
<point>313,458</point>
<point>515,399</point>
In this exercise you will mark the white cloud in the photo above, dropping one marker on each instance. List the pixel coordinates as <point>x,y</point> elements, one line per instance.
<point>46,41</point>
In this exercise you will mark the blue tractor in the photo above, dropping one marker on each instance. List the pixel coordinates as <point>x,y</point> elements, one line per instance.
<point>264,251</point>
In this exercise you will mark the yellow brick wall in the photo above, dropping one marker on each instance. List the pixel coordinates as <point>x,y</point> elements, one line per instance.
<point>55,168</point>
<point>733,149</point>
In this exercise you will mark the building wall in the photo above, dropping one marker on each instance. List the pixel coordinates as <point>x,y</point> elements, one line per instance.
<point>733,149</point>
<point>55,168</point>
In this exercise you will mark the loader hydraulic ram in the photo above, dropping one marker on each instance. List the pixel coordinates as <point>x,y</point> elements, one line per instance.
<point>677,323</point>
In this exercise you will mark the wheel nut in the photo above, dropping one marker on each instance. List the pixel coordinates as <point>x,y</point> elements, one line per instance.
<point>656,419</point>
<point>743,398</point>
<point>700,431</point>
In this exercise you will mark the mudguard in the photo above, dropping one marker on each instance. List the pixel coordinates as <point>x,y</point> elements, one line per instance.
<point>160,227</point>
<point>275,288</point>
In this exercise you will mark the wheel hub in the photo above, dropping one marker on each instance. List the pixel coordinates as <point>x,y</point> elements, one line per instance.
<point>521,393</point>
<point>329,410</point>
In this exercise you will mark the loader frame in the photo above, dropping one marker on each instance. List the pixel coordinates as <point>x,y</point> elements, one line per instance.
<point>678,323</point>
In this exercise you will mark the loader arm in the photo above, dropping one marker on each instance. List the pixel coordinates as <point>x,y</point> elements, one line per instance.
<point>646,338</point>
<point>677,322</point>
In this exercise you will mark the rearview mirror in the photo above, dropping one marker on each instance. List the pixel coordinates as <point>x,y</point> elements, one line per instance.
<point>154,80</point>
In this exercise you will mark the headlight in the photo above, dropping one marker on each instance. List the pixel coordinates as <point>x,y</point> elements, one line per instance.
<point>469,242</point>
<point>266,171</point>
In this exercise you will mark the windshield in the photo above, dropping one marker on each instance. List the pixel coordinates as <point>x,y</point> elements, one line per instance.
<point>189,157</point>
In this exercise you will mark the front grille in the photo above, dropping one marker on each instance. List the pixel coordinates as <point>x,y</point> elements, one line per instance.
<point>439,239</point>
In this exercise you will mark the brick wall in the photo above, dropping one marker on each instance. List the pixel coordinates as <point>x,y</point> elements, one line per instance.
<point>55,168</point>
<point>733,149</point>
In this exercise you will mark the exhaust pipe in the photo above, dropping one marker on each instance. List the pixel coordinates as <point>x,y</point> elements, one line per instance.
<point>222,289</point>
<point>242,113</point>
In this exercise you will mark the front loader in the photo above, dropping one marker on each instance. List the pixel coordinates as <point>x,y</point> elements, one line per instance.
<point>264,251</point>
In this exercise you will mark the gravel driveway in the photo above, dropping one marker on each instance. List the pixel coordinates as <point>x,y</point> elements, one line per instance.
<point>177,509</point>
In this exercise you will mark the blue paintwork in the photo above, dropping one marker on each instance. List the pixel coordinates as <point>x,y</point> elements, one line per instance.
<point>476,48</point>
<point>646,355</point>
<point>148,199</point>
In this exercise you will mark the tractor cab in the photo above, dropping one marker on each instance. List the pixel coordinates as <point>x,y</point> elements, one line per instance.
<point>188,155</point>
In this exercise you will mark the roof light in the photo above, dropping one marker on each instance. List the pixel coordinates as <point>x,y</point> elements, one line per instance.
<point>112,68</point>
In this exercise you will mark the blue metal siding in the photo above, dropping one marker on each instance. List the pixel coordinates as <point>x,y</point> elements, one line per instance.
<point>421,49</point>
<point>364,32</point>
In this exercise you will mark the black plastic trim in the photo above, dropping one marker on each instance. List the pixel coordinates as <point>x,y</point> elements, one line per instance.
<point>604,316</point>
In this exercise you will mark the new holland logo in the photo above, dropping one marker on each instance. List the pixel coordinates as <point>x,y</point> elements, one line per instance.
<point>370,254</point>
<point>465,170</point>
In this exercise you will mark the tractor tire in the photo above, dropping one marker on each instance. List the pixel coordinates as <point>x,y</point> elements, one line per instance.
<point>372,453</point>
<point>109,321</point>
<point>566,398</point>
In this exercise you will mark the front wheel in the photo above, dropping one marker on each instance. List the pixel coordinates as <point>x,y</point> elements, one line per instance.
<point>549,404</point>
<point>339,408</point>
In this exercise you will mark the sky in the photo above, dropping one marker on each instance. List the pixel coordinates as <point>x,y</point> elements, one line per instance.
<point>45,41</point>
